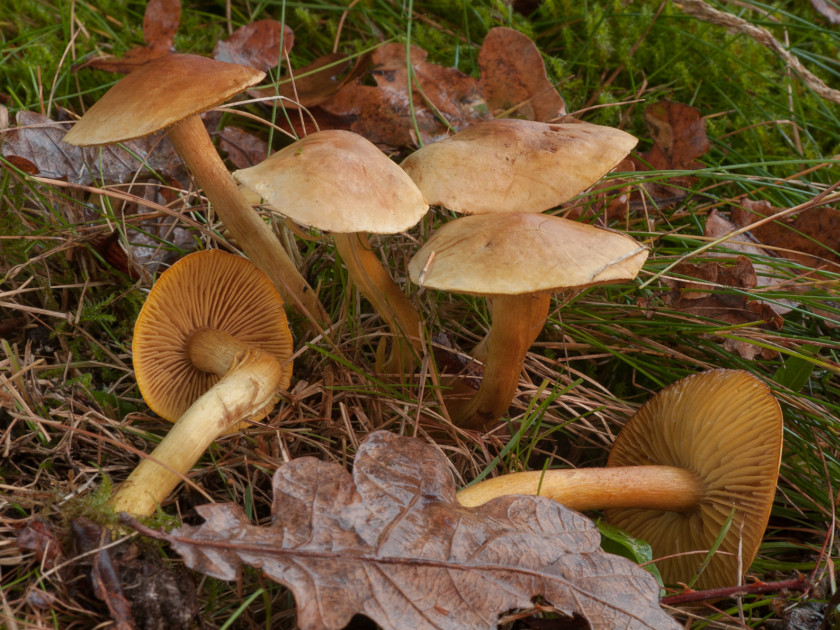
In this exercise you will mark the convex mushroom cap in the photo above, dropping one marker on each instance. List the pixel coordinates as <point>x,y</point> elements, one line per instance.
<point>513,165</point>
<point>518,253</point>
<point>159,94</point>
<point>517,259</point>
<point>341,182</point>
<point>207,292</point>
<point>338,181</point>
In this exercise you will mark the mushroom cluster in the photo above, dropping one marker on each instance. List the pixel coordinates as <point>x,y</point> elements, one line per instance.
<point>504,173</point>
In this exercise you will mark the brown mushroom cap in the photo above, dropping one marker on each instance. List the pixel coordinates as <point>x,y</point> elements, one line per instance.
<point>512,165</point>
<point>517,253</point>
<point>204,290</point>
<point>160,93</point>
<point>338,181</point>
<point>726,427</point>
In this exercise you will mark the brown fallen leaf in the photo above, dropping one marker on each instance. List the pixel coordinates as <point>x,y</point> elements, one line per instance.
<point>718,226</point>
<point>679,138</point>
<point>243,149</point>
<point>810,238</point>
<point>441,99</point>
<point>38,140</point>
<point>160,23</point>
<point>828,9</point>
<point>392,543</point>
<point>256,44</point>
<point>698,294</point>
<point>513,77</point>
<point>314,83</point>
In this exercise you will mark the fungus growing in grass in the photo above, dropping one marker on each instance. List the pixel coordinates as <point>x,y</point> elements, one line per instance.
<point>703,451</point>
<point>171,92</point>
<point>338,181</point>
<point>517,260</point>
<point>211,351</point>
<point>513,165</point>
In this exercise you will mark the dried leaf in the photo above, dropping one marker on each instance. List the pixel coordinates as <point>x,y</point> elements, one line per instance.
<point>314,83</point>
<point>441,99</point>
<point>160,23</point>
<point>105,580</point>
<point>242,148</point>
<point>679,138</point>
<point>811,237</point>
<point>256,44</point>
<point>717,226</point>
<point>392,543</point>
<point>828,9</point>
<point>696,295</point>
<point>513,77</point>
<point>38,140</point>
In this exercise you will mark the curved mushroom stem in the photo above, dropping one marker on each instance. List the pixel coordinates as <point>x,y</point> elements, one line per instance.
<point>648,487</point>
<point>516,322</point>
<point>245,392</point>
<point>375,283</point>
<point>252,234</point>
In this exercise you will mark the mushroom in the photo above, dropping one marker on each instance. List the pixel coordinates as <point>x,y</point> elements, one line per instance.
<point>703,451</point>
<point>211,351</point>
<point>517,259</point>
<point>170,92</point>
<point>513,165</point>
<point>338,181</point>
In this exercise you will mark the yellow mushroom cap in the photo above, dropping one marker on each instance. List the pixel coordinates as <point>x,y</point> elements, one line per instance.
<point>158,94</point>
<point>206,289</point>
<point>513,165</point>
<point>726,427</point>
<point>516,253</point>
<point>338,181</point>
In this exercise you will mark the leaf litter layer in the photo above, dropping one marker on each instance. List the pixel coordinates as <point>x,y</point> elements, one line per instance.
<point>69,317</point>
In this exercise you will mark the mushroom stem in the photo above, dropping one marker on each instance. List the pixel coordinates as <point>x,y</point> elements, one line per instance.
<point>668,488</point>
<point>375,283</point>
<point>243,393</point>
<point>516,322</point>
<point>253,235</point>
<point>212,350</point>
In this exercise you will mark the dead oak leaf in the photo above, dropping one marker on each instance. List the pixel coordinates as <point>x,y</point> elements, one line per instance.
<point>389,114</point>
<point>513,77</point>
<point>38,140</point>
<point>392,543</point>
<point>256,44</point>
<point>810,238</point>
<point>160,23</point>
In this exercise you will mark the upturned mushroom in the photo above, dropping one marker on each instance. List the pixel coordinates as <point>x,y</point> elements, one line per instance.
<point>513,165</point>
<point>338,181</point>
<point>171,92</point>
<point>517,260</point>
<point>212,350</point>
<point>702,452</point>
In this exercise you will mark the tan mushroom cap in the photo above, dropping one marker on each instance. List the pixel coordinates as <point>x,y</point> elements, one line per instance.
<point>726,427</point>
<point>512,165</point>
<point>337,181</point>
<point>206,289</point>
<point>516,253</point>
<point>160,93</point>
